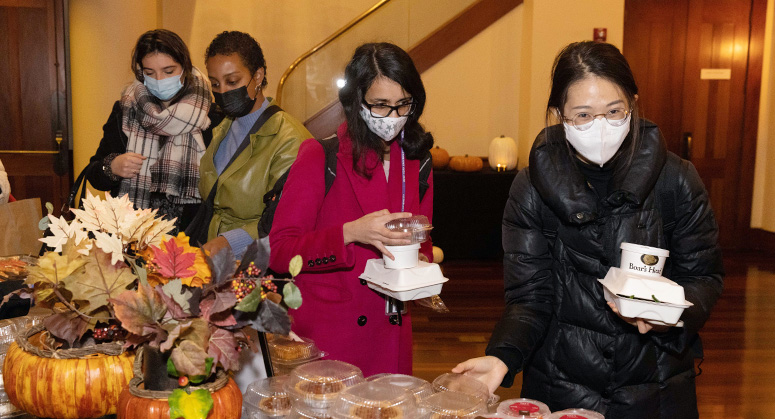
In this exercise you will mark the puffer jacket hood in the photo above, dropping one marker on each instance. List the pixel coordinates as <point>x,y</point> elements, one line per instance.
<point>557,328</point>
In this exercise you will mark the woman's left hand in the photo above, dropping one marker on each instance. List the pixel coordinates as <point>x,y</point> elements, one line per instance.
<point>642,325</point>
<point>215,245</point>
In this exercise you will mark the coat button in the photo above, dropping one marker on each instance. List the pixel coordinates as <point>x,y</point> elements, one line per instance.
<point>325,260</point>
<point>363,282</point>
<point>580,216</point>
<point>311,263</point>
<point>361,320</point>
<point>332,259</point>
<point>318,261</point>
<point>606,394</point>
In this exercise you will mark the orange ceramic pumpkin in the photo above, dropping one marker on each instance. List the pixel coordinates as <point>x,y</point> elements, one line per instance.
<point>466,163</point>
<point>439,157</point>
<point>87,387</point>
<point>227,404</point>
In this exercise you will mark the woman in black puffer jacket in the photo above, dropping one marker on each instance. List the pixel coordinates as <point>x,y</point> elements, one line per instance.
<point>601,178</point>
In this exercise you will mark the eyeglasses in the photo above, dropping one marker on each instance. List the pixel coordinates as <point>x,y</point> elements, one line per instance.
<point>583,120</point>
<point>382,111</point>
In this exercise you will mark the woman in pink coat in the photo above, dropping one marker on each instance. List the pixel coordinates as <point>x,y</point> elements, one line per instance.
<point>377,180</point>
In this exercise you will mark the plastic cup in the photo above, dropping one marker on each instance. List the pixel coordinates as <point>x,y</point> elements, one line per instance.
<point>643,260</point>
<point>406,256</point>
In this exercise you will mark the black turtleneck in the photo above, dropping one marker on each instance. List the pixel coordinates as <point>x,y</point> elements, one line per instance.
<point>597,177</point>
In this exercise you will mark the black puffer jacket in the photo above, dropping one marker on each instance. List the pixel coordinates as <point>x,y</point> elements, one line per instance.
<point>574,350</point>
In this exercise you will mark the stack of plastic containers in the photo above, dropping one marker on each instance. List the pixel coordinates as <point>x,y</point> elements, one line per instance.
<point>315,387</point>
<point>287,353</point>
<point>266,399</point>
<point>418,387</point>
<point>372,400</point>
<point>453,405</point>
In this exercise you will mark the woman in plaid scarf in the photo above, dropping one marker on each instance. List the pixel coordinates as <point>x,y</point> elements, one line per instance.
<point>158,131</point>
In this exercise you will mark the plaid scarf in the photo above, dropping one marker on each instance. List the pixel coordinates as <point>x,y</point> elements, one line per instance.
<point>170,138</point>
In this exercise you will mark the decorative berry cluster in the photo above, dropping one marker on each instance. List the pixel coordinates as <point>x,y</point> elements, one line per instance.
<point>108,333</point>
<point>251,271</point>
<point>242,287</point>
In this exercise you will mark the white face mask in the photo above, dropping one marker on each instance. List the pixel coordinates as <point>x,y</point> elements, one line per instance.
<point>386,128</point>
<point>599,142</point>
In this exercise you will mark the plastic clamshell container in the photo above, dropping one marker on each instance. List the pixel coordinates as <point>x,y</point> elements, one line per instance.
<point>657,312</point>
<point>464,384</point>
<point>644,287</point>
<point>453,405</point>
<point>576,414</point>
<point>317,384</point>
<point>374,400</point>
<point>523,409</point>
<point>418,225</point>
<point>266,398</point>
<point>284,350</point>
<point>644,260</point>
<point>305,412</point>
<point>8,334</point>
<point>423,281</point>
<point>416,386</point>
<point>405,257</point>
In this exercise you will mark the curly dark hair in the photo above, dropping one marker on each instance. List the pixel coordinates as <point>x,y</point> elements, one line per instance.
<point>369,62</point>
<point>242,44</point>
<point>165,42</point>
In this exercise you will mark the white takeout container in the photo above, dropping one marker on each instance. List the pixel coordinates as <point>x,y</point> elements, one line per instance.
<point>620,287</point>
<point>424,280</point>
<point>644,260</point>
<point>406,256</point>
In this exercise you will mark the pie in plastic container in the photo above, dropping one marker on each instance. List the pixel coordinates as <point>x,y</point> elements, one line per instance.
<point>317,384</point>
<point>658,300</point>
<point>453,405</point>
<point>266,398</point>
<point>375,400</point>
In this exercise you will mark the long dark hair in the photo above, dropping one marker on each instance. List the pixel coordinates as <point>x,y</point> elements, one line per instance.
<point>369,62</point>
<point>165,42</point>
<point>242,44</point>
<point>582,59</point>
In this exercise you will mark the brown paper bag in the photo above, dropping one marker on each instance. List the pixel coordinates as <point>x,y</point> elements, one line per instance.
<point>19,232</point>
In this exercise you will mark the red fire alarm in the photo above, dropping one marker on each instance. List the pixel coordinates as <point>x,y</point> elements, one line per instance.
<point>599,34</point>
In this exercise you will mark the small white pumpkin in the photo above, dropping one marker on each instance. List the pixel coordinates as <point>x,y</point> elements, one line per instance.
<point>503,153</point>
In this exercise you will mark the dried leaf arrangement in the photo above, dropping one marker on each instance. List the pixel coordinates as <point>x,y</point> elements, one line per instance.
<point>121,277</point>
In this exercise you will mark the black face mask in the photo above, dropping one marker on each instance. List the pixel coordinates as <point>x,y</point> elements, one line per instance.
<point>235,103</point>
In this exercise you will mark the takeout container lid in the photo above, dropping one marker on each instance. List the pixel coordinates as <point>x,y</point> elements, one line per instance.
<point>464,384</point>
<point>289,352</point>
<point>523,409</point>
<point>259,390</point>
<point>417,225</point>
<point>648,250</point>
<point>455,404</point>
<point>424,280</point>
<point>576,414</point>
<point>318,383</point>
<point>657,312</point>
<point>374,399</point>
<point>622,281</point>
<point>416,386</point>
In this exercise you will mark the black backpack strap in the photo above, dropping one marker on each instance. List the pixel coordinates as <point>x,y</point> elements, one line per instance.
<point>665,191</point>
<point>425,172</point>
<point>330,147</point>
<point>549,224</point>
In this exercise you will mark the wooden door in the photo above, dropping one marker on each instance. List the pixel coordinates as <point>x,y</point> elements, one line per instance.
<point>33,101</point>
<point>698,67</point>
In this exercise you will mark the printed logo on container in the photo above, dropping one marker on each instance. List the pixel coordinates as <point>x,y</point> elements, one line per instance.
<point>649,260</point>
<point>524,408</point>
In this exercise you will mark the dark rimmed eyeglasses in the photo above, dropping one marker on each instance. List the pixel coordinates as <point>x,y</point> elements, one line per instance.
<point>381,110</point>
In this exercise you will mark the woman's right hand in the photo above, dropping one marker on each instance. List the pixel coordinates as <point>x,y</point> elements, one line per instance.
<point>127,164</point>
<point>370,229</point>
<point>487,369</point>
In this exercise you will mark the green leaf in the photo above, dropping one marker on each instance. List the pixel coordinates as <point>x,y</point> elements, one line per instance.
<point>292,295</point>
<point>171,370</point>
<point>50,207</point>
<point>196,405</point>
<point>295,266</point>
<point>249,304</point>
<point>196,379</point>
<point>43,223</point>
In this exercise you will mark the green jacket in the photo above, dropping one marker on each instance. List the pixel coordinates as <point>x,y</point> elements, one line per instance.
<point>241,188</point>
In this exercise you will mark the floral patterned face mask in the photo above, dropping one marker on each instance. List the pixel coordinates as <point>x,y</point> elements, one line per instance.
<point>386,128</point>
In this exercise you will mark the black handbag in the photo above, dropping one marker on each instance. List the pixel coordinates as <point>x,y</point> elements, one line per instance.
<point>198,228</point>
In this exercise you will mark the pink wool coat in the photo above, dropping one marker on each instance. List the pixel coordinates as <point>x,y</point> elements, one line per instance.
<point>345,318</point>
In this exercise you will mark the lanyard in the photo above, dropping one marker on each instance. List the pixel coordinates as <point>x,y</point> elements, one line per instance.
<point>403,174</point>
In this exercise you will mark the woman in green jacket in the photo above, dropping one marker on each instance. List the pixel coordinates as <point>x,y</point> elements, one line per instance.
<point>237,71</point>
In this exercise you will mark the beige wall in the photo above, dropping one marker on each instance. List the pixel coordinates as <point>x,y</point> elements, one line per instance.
<point>763,212</point>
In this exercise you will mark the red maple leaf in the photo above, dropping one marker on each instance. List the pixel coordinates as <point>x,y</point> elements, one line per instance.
<point>173,261</point>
